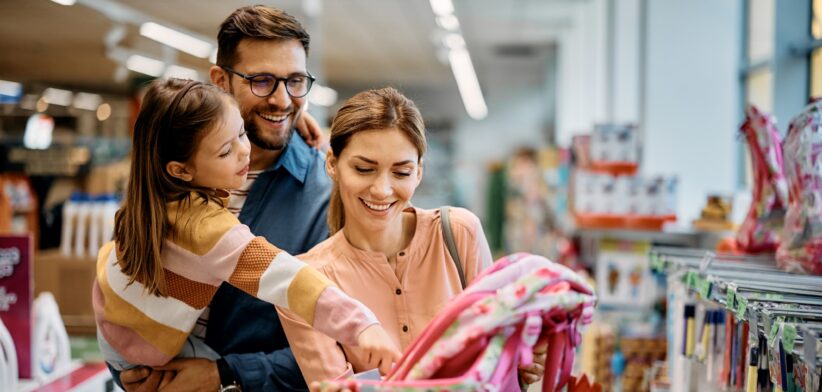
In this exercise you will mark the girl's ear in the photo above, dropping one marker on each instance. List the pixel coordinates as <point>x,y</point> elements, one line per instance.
<point>180,170</point>
<point>331,165</point>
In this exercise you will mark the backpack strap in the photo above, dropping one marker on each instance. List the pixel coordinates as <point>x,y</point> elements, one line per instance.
<point>448,236</point>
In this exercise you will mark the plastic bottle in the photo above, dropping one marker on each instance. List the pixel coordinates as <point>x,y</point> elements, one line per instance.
<point>95,225</point>
<point>69,219</point>
<point>81,226</point>
<point>8,360</point>
<point>51,350</point>
<point>110,207</point>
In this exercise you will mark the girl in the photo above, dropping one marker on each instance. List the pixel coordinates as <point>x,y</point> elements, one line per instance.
<point>175,242</point>
<point>382,251</point>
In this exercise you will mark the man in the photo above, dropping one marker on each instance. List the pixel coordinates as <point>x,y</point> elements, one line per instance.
<point>261,61</point>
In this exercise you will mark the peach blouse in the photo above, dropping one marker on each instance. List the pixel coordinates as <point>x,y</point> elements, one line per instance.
<point>403,301</point>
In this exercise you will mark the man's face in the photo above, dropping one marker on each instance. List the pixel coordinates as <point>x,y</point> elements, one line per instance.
<point>268,120</point>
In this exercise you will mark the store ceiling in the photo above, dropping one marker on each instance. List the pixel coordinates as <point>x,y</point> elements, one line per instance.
<point>358,42</point>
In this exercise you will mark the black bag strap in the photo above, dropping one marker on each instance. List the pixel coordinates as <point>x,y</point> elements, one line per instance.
<point>448,236</point>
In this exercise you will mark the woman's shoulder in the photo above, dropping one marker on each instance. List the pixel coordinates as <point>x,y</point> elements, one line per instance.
<point>321,254</point>
<point>458,216</point>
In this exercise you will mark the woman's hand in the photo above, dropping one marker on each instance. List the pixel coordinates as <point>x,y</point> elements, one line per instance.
<point>378,348</point>
<point>534,372</point>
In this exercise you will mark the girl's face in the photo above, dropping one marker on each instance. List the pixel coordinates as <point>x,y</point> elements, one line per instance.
<point>377,173</point>
<point>222,157</point>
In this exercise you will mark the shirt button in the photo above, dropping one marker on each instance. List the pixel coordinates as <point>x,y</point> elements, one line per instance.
<point>405,328</point>
<point>402,253</point>
<point>398,291</point>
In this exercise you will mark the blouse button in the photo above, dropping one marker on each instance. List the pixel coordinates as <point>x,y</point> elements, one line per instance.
<point>398,291</point>
<point>402,253</point>
<point>405,328</point>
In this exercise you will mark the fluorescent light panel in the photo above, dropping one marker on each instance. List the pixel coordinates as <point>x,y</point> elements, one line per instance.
<point>322,96</point>
<point>448,22</point>
<point>11,89</point>
<point>442,7</point>
<point>58,96</point>
<point>87,101</point>
<point>467,83</point>
<point>65,2</point>
<point>177,71</point>
<point>145,65</point>
<point>176,39</point>
<point>453,41</point>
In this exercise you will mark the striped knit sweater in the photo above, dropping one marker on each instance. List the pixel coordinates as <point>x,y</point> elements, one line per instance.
<point>209,246</point>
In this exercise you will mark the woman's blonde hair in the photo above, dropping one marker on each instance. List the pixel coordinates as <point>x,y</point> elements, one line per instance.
<point>384,108</point>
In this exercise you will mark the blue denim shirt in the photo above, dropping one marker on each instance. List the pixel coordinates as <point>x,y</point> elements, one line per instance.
<point>287,205</point>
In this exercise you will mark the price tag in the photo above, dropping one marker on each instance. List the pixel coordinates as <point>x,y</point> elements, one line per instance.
<point>730,293</point>
<point>789,337</point>
<point>704,288</point>
<point>741,307</point>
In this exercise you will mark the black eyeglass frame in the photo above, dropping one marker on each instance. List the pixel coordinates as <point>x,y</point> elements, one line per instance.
<point>249,78</point>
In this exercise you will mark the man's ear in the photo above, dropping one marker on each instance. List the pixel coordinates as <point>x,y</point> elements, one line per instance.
<point>331,165</point>
<point>179,170</point>
<point>219,77</point>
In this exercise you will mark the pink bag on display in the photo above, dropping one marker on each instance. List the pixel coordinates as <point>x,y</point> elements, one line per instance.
<point>801,247</point>
<point>479,339</point>
<point>760,230</point>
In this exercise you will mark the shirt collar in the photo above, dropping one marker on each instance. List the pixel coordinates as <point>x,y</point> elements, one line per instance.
<point>296,158</point>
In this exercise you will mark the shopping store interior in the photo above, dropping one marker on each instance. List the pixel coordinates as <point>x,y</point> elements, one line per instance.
<point>665,150</point>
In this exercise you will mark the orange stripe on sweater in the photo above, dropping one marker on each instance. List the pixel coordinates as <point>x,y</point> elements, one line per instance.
<point>254,260</point>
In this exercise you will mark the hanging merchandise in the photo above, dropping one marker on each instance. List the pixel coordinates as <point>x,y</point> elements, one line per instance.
<point>480,338</point>
<point>801,247</point>
<point>761,328</point>
<point>759,231</point>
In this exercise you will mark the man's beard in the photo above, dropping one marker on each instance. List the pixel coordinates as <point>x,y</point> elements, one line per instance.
<point>254,136</point>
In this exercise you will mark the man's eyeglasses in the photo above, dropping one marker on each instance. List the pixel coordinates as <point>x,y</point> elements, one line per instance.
<point>263,85</point>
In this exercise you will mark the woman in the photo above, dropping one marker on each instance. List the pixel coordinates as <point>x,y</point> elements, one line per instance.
<point>382,251</point>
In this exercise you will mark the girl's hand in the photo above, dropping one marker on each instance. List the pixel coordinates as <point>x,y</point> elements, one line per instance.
<point>378,348</point>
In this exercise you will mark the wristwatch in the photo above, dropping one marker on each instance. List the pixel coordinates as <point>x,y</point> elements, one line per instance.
<point>228,382</point>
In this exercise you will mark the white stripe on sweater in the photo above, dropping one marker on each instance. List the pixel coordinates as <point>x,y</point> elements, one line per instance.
<point>167,311</point>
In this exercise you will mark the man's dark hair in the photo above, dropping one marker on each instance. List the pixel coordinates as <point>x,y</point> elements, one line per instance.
<point>256,22</point>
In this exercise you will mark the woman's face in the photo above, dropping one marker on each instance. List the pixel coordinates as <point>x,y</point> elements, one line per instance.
<point>377,173</point>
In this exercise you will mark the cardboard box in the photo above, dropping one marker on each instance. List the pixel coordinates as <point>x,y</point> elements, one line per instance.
<point>70,280</point>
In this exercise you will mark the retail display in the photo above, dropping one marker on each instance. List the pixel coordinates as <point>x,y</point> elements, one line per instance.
<point>16,296</point>
<point>759,231</point>
<point>478,340</point>
<point>88,222</point>
<point>732,316</point>
<point>8,360</point>
<point>614,149</point>
<point>801,247</point>
<point>716,215</point>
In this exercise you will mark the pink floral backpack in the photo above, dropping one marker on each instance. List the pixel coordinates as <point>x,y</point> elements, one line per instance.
<point>801,247</point>
<point>760,230</point>
<point>480,338</point>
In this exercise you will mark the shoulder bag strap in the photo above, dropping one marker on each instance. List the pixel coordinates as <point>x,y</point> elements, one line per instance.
<point>448,236</point>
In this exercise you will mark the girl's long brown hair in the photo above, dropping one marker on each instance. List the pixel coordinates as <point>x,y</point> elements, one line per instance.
<point>384,108</point>
<point>174,117</point>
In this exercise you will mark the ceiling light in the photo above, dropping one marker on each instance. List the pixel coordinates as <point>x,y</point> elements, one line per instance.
<point>468,84</point>
<point>145,65</point>
<point>442,7</point>
<point>176,39</point>
<point>453,41</point>
<point>103,112</point>
<point>87,101</point>
<point>448,22</point>
<point>58,96</point>
<point>322,96</point>
<point>65,2</point>
<point>176,71</point>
